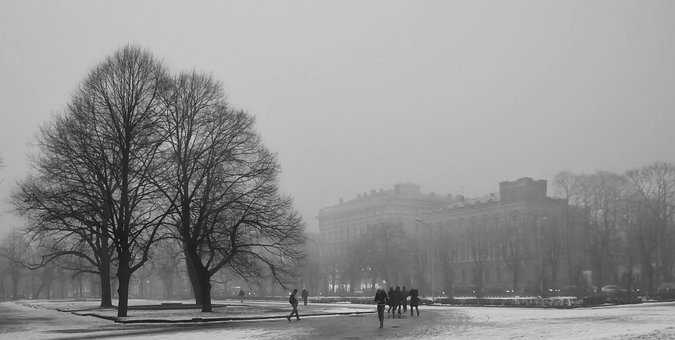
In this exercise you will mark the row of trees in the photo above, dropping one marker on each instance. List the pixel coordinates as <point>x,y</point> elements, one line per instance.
<point>60,278</point>
<point>142,157</point>
<point>164,276</point>
<point>628,223</point>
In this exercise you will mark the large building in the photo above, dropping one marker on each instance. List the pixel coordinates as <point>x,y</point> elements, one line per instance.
<point>522,242</point>
<point>343,226</point>
<point>519,241</point>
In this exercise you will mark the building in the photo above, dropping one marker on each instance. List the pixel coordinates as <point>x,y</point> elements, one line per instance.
<point>343,226</point>
<point>520,241</point>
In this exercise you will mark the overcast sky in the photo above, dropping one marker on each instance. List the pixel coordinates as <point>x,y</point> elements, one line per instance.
<point>359,95</point>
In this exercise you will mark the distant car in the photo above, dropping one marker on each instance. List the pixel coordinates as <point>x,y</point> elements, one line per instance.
<point>612,289</point>
<point>614,293</point>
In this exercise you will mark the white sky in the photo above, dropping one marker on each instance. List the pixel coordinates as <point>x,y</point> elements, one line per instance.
<point>359,95</point>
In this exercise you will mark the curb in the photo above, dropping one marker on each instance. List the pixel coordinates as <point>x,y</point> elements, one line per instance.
<point>205,320</point>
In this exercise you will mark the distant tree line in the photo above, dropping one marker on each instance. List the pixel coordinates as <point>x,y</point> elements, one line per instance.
<point>628,223</point>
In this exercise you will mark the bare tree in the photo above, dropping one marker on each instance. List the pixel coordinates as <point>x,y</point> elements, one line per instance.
<point>102,155</point>
<point>14,249</point>
<point>228,211</point>
<point>119,108</point>
<point>566,186</point>
<point>599,197</point>
<point>64,212</point>
<point>654,190</point>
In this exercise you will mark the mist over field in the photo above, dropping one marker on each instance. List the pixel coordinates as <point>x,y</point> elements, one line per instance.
<point>353,96</point>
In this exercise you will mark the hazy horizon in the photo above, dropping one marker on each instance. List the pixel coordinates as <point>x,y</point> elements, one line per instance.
<point>354,96</point>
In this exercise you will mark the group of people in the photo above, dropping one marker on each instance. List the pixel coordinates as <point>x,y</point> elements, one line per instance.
<point>396,299</point>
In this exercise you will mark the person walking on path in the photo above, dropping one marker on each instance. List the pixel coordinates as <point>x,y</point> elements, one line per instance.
<point>241,295</point>
<point>404,299</point>
<point>381,300</point>
<point>414,301</point>
<point>397,300</point>
<point>390,300</point>
<point>305,295</point>
<point>294,303</point>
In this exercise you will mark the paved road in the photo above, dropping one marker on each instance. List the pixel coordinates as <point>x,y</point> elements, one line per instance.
<point>647,321</point>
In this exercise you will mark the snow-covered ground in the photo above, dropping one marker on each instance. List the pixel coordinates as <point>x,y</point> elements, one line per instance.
<point>144,310</point>
<point>644,321</point>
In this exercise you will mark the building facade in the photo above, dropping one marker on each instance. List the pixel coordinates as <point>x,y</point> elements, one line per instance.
<point>347,228</point>
<point>517,242</point>
<point>523,243</point>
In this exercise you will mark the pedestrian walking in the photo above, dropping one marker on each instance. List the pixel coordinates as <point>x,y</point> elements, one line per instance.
<point>381,300</point>
<point>294,304</point>
<point>305,296</point>
<point>397,300</point>
<point>390,301</point>
<point>414,301</point>
<point>241,295</point>
<point>404,299</point>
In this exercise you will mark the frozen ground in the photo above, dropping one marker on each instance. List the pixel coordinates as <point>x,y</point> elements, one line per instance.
<point>223,309</point>
<point>645,321</point>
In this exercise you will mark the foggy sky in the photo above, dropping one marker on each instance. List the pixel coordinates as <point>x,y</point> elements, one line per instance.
<point>360,95</point>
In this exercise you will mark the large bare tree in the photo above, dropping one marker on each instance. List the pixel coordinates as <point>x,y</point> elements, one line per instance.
<point>228,211</point>
<point>119,108</point>
<point>97,162</point>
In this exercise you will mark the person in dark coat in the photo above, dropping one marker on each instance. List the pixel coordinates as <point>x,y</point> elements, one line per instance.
<point>305,295</point>
<point>381,300</point>
<point>241,295</point>
<point>390,301</point>
<point>294,303</point>
<point>397,300</point>
<point>414,301</point>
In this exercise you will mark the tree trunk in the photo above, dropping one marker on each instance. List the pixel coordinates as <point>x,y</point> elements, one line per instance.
<point>80,286</point>
<point>205,290</point>
<point>104,269</point>
<point>106,294</point>
<point>123,278</point>
<point>15,287</point>
<point>193,275</point>
<point>649,279</point>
